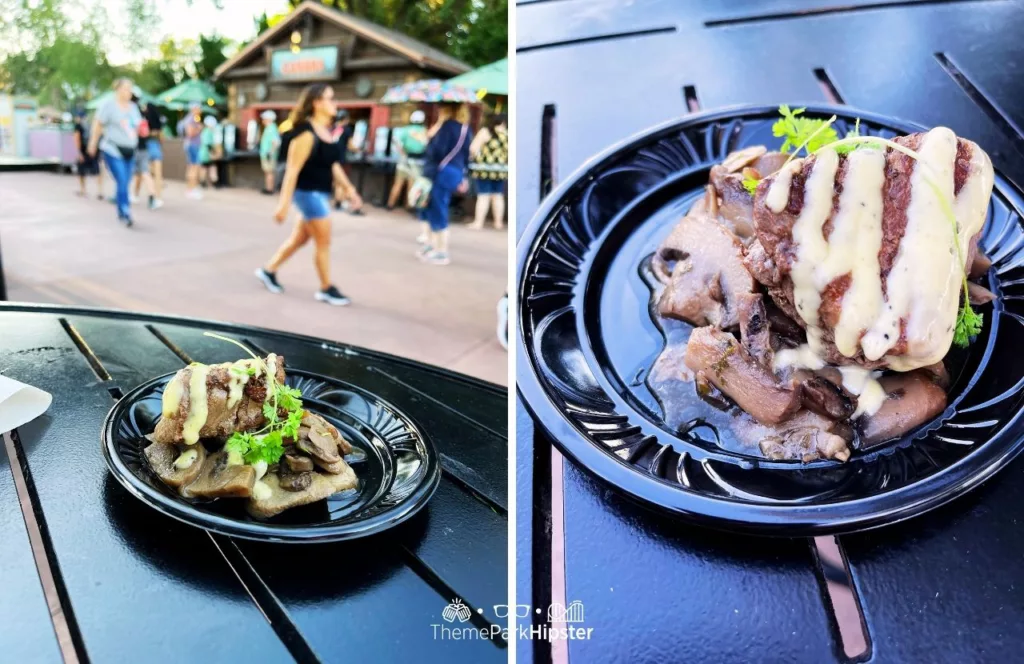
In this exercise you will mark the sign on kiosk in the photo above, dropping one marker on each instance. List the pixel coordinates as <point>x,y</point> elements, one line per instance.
<point>316,63</point>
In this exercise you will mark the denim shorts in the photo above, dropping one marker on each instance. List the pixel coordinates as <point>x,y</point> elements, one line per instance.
<point>192,154</point>
<point>312,204</point>
<point>142,161</point>
<point>155,150</point>
<point>485,187</point>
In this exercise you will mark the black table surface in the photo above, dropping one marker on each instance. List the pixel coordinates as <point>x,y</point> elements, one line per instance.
<point>134,585</point>
<point>945,587</point>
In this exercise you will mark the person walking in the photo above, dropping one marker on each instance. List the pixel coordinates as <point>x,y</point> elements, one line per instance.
<point>153,147</point>
<point>343,132</point>
<point>410,142</point>
<point>209,148</point>
<point>142,162</point>
<point>445,163</point>
<point>311,170</point>
<point>191,128</point>
<point>118,121</point>
<point>270,142</point>
<point>490,149</point>
<point>87,166</point>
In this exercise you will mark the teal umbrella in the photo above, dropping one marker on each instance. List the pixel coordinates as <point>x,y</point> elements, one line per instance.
<point>492,78</point>
<point>188,92</point>
<point>96,102</point>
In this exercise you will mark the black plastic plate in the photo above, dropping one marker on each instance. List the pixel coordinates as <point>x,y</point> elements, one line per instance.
<point>587,341</point>
<point>397,467</point>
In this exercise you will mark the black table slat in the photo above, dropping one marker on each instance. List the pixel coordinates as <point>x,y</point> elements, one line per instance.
<point>138,581</point>
<point>466,450</point>
<point>950,578</point>
<point>694,594</point>
<point>466,543</point>
<point>526,510</point>
<point>360,602</point>
<point>128,351</point>
<point>27,634</point>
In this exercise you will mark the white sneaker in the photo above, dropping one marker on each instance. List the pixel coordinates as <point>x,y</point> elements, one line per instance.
<point>133,198</point>
<point>438,258</point>
<point>156,204</point>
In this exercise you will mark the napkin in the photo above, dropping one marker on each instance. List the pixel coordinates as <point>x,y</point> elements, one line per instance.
<point>20,403</point>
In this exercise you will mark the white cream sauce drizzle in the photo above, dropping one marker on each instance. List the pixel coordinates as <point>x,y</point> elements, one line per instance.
<point>923,285</point>
<point>811,247</point>
<point>271,371</point>
<point>261,490</point>
<point>197,404</point>
<point>172,396</point>
<point>239,376</point>
<point>853,247</point>
<point>862,382</point>
<point>777,197</point>
<point>801,357</point>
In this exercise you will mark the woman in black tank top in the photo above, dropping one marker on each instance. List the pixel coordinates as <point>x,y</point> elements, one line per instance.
<point>312,168</point>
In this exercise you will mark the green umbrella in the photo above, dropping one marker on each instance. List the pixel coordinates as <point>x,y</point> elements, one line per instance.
<point>492,78</point>
<point>192,91</point>
<point>96,102</point>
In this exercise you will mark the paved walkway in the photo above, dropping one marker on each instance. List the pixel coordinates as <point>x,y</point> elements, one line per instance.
<point>196,258</point>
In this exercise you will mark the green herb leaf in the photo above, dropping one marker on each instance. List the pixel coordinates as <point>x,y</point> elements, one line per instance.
<point>798,130</point>
<point>292,424</point>
<point>968,326</point>
<point>239,442</point>
<point>268,447</point>
<point>750,184</point>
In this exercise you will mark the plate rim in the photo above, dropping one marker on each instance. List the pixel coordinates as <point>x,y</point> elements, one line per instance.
<point>723,513</point>
<point>184,512</point>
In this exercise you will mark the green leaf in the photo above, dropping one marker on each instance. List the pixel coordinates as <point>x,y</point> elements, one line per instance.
<point>268,448</point>
<point>292,424</point>
<point>797,131</point>
<point>270,412</point>
<point>968,326</point>
<point>750,184</point>
<point>239,442</point>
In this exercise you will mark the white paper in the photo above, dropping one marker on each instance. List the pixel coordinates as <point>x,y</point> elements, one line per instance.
<point>20,403</point>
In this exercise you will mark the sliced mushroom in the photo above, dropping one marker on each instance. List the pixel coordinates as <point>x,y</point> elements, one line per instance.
<point>297,463</point>
<point>314,420</point>
<point>978,294</point>
<point>755,332</point>
<point>808,444</point>
<point>825,398</point>
<point>320,445</point>
<point>729,366</point>
<point>979,266</point>
<point>704,252</point>
<point>218,479</point>
<point>277,499</point>
<point>735,161</point>
<point>175,467</point>
<point>911,400</point>
<point>806,436</point>
<point>294,481</point>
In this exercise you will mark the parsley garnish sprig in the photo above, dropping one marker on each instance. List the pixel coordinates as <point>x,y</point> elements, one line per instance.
<point>267,444</point>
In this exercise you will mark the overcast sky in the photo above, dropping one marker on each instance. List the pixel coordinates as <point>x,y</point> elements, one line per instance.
<point>180,20</point>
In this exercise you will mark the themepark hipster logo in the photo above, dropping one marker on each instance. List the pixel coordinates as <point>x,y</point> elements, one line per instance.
<point>563,623</point>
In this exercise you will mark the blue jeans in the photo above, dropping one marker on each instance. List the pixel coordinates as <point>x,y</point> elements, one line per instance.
<point>121,169</point>
<point>445,183</point>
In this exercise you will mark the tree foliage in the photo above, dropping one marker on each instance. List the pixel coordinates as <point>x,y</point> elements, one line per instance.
<point>475,31</point>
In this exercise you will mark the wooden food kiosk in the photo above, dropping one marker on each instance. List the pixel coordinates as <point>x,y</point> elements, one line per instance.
<point>317,43</point>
